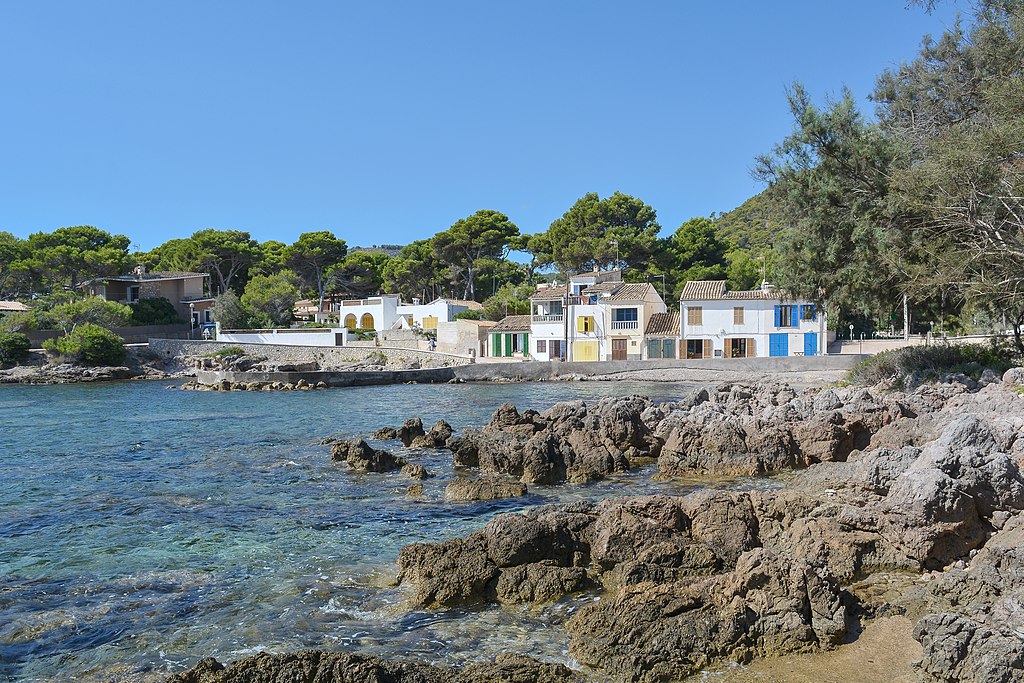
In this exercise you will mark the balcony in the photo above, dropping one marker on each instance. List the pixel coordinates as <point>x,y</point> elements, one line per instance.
<point>548,318</point>
<point>625,325</point>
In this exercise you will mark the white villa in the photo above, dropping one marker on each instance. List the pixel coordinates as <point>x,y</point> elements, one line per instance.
<point>388,312</point>
<point>718,323</point>
<point>594,316</point>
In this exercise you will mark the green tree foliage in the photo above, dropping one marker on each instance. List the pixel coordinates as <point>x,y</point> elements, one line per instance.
<point>414,272</point>
<point>90,310</point>
<point>13,252</point>
<point>831,174</point>
<point>230,313</point>
<point>695,251</point>
<point>65,258</point>
<point>154,311</point>
<point>226,254</point>
<point>13,347</point>
<point>312,255</point>
<point>360,275</point>
<point>271,298</point>
<point>594,232</point>
<point>88,344</point>
<point>469,314</point>
<point>472,245</point>
<point>508,300</point>
<point>271,257</point>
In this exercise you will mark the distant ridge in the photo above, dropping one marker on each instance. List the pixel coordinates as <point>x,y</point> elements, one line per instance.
<point>391,250</point>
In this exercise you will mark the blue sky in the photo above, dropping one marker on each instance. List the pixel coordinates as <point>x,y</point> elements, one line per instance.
<point>386,122</point>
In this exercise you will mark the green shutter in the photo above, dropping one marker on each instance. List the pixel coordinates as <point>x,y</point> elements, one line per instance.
<point>526,345</point>
<point>508,345</point>
<point>495,345</point>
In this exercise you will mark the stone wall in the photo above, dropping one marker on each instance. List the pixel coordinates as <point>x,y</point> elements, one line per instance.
<point>132,335</point>
<point>326,356</point>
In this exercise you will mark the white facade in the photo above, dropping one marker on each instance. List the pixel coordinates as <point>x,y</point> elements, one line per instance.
<point>722,324</point>
<point>595,316</point>
<point>388,312</point>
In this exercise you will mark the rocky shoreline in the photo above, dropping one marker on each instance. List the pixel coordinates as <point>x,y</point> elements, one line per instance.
<point>139,365</point>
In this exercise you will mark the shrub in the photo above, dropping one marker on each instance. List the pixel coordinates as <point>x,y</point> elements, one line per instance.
<point>226,351</point>
<point>156,311</point>
<point>89,344</point>
<point>13,347</point>
<point>916,364</point>
<point>469,314</point>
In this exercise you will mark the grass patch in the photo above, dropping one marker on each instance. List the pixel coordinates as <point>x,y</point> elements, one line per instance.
<point>921,364</point>
<point>226,351</point>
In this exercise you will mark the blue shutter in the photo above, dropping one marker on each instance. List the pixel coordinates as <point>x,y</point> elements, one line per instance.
<point>795,311</point>
<point>778,316</point>
<point>814,312</point>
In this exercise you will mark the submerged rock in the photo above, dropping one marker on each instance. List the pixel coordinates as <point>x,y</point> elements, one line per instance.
<point>362,457</point>
<point>485,488</point>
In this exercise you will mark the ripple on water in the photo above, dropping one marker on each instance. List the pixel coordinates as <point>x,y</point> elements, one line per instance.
<point>143,528</point>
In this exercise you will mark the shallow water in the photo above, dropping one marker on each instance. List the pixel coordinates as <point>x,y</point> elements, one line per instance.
<point>142,528</point>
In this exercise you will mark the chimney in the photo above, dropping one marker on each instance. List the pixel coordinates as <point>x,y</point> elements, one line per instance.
<point>140,270</point>
<point>415,301</point>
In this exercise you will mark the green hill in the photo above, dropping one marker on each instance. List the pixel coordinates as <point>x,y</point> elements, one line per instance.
<point>753,224</point>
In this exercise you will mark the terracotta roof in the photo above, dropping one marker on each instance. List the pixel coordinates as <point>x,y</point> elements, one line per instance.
<point>549,293</point>
<point>601,287</point>
<point>13,307</point>
<point>663,325</point>
<point>471,305</point>
<point>513,323</point>
<point>709,290</point>
<point>634,291</point>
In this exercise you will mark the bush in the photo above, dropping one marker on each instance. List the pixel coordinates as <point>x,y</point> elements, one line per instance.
<point>156,311</point>
<point>88,344</point>
<point>917,364</point>
<point>226,351</point>
<point>13,347</point>
<point>469,314</point>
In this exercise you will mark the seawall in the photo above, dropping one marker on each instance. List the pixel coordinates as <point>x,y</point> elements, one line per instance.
<point>329,356</point>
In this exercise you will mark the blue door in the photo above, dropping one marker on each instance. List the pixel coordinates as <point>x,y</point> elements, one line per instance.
<point>778,344</point>
<point>810,343</point>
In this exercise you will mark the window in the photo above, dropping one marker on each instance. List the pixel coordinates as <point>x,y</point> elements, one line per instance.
<point>737,315</point>
<point>430,322</point>
<point>208,316</point>
<point>786,316</point>
<point>585,323</point>
<point>624,315</point>
<point>809,312</point>
<point>695,315</point>
<point>740,348</point>
<point>542,346</point>
<point>694,348</point>
<point>133,293</point>
<point>556,349</point>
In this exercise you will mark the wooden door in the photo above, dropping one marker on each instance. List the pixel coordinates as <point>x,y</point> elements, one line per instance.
<point>619,349</point>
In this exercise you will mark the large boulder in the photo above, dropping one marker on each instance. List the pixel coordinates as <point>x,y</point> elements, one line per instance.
<point>435,437</point>
<point>362,457</point>
<point>485,488</point>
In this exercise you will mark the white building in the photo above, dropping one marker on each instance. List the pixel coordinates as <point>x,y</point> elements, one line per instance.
<point>718,323</point>
<point>594,316</point>
<point>387,312</point>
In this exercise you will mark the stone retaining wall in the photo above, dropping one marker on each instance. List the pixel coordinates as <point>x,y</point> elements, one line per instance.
<point>327,356</point>
<point>331,379</point>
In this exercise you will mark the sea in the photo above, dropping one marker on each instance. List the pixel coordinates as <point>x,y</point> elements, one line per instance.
<point>143,527</point>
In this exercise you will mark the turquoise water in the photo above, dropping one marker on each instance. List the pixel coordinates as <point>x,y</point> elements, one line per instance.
<point>142,528</point>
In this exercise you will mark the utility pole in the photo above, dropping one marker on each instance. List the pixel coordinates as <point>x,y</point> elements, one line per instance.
<point>906,319</point>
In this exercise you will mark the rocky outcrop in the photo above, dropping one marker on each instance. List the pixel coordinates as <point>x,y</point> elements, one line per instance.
<point>410,430</point>
<point>315,666</point>
<point>436,437</point>
<point>568,442</point>
<point>362,457</point>
<point>739,574</point>
<point>485,488</point>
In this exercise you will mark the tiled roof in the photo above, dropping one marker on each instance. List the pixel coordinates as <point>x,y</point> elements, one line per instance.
<point>602,287</point>
<point>165,275</point>
<point>549,293</point>
<point>634,291</point>
<point>699,290</point>
<point>663,325</point>
<point>709,290</point>
<point>513,323</point>
<point>471,305</point>
<point>13,307</point>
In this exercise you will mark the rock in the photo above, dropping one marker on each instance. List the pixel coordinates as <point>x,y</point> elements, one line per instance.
<point>768,605</point>
<point>416,471</point>
<point>436,437</point>
<point>1014,377</point>
<point>486,488</point>
<point>410,429</point>
<point>414,491</point>
<point>361,457</point>
<point>385,434</point>
<point>314,666</point>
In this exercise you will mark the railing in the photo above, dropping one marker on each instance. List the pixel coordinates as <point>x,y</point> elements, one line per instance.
<point>548,318</point>
<point>625,324</point>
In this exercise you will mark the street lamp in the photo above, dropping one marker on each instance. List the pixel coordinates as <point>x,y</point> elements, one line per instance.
<point>851,331</point>
<point>615,243</point>
<point>191,321</point>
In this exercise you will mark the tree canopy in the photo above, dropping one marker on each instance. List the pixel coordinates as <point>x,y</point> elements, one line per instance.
<point>312,255</point>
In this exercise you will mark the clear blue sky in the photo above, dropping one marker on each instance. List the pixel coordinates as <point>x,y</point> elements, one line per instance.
<point>385,122</point>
